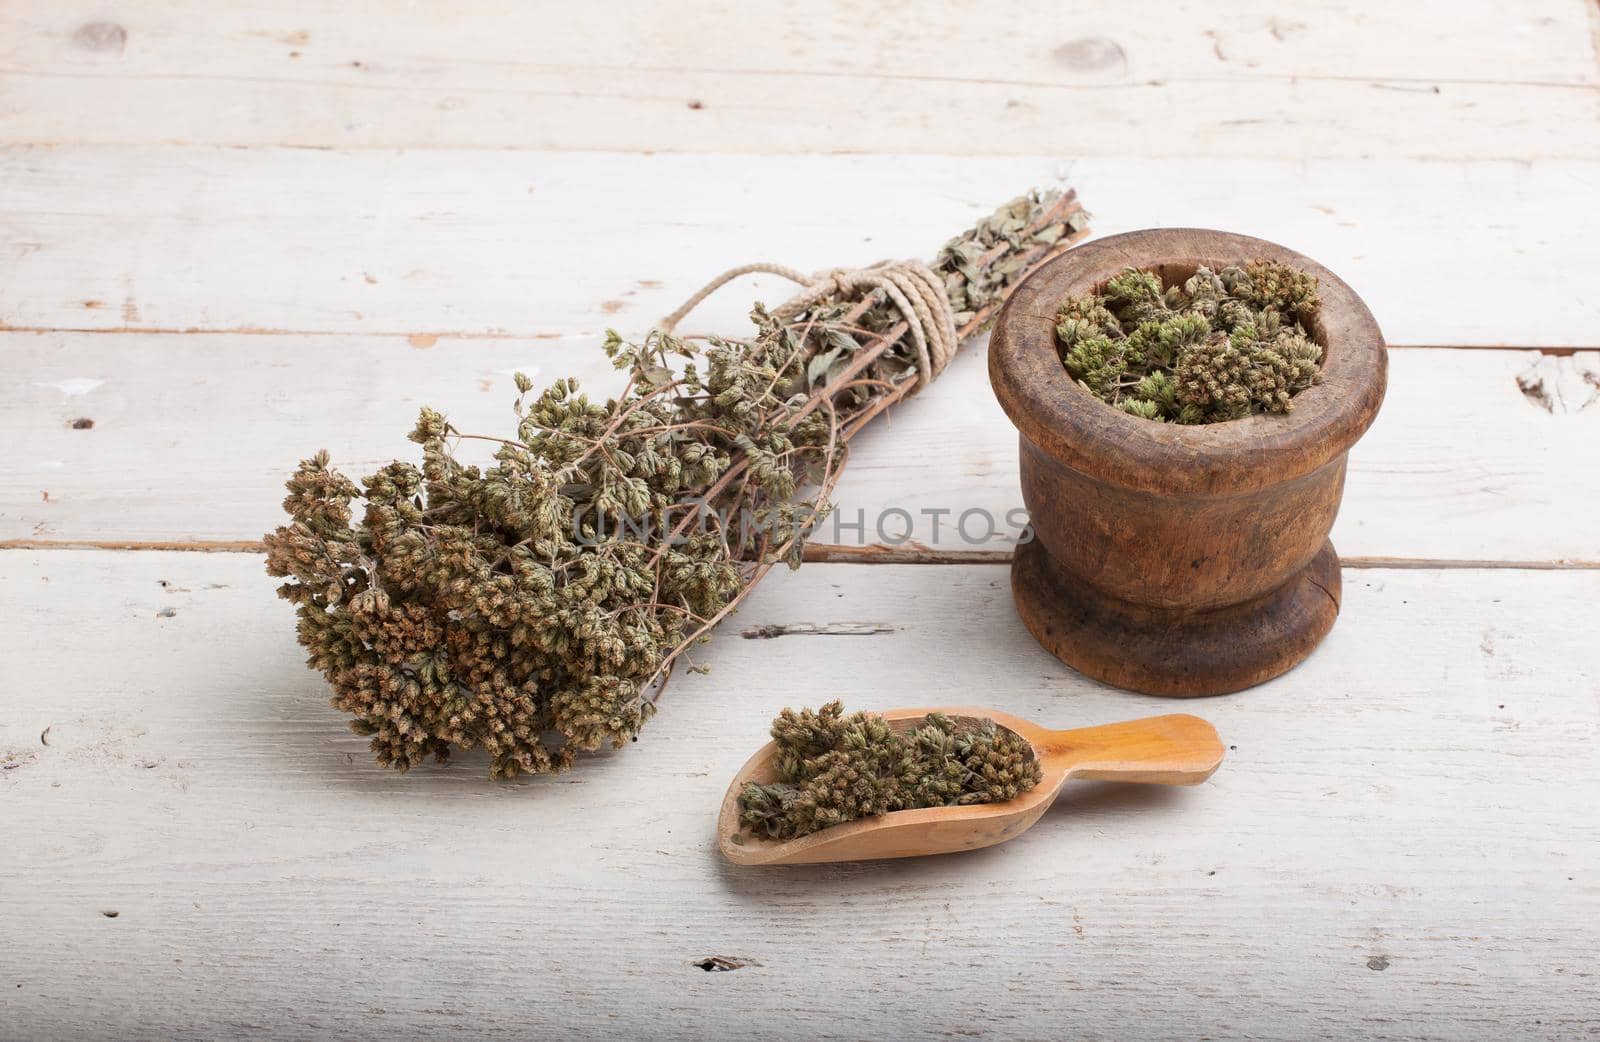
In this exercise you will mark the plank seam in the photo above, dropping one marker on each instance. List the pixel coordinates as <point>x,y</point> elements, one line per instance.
<point>826,554</point>
<point>494,334</point>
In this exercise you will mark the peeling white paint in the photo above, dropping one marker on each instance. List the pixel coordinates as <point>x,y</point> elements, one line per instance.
<point>75,386</point>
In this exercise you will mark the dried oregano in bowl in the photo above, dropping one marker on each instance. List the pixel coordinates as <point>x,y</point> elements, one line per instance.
<point>1218,346</point>
<point>833,768</point>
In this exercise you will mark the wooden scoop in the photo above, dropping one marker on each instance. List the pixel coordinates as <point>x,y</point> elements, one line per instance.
<point>1159,750</point>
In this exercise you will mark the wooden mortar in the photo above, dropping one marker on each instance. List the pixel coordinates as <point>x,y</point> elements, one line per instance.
<point>1179,560</point>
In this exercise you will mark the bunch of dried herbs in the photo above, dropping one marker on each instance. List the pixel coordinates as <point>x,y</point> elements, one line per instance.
<point>834,768</point>
<point>533,607</point>
<point>1220,346</point>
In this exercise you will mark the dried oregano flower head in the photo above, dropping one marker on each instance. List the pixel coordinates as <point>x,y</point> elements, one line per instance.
<point>534,605</point>
<point>1220,346</point>
<point>834,768</point>
<point>526,606</point>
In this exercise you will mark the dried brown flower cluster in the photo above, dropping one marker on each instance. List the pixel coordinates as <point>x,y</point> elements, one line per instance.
<point>834,768</point>
<point>1218,347</point>
<point>534,607</point>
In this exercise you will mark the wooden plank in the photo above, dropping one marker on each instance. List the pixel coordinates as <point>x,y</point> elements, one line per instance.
<point>1365,77</point>
<point>1401,842</point>
<point>193,436</point>
<point>549,245</point>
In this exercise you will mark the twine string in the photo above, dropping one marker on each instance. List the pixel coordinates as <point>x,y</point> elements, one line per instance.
<point>911,286</point>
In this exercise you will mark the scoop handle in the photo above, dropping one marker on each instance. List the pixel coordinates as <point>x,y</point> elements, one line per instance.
<point>1177,749</point>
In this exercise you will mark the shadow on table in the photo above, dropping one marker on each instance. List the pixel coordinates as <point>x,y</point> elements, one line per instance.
<point>1081,807</point>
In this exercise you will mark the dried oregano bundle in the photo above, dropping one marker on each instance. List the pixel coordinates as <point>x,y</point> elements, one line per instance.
<point>534,607</point>
<point>1219,347</point>
<point>834,768</point>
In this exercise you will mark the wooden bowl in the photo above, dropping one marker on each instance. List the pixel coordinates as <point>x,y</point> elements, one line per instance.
<point>1179,560</point>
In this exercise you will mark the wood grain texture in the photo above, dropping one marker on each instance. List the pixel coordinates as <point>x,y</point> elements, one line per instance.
<point>1072,78</point>
<point>1176,652</point>
<point>1401,843</point>
<point>232,234</point>
<point>194,436</point>
<point>543,246</point>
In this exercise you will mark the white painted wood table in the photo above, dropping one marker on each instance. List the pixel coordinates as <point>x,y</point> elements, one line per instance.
<point>230,236</point>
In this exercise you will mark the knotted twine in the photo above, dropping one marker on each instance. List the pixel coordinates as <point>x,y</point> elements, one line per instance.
<point>911,286</point>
